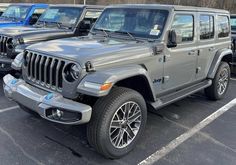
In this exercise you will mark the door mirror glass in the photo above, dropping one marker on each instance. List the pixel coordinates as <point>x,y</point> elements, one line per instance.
<point>33,19</point>
<point>174,38</point>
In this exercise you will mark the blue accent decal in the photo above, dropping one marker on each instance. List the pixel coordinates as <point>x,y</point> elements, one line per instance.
<point>14,81</point>
<point>49,96</point>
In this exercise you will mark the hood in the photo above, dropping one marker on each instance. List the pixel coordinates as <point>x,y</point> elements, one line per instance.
<point>6,23</point>
<point>34,34</point>
<point>98,51</point>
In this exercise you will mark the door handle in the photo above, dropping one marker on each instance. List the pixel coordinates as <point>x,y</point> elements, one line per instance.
<point>192,52</point>
<point>212,48</point>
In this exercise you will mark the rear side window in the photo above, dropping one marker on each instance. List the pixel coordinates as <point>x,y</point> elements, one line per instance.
<point>206,27</point>
<point>223,26</point>
<point>183,24</point>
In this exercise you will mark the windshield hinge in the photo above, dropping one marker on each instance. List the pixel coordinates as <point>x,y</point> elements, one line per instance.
<point>158,49</point>
<point>166,58</point>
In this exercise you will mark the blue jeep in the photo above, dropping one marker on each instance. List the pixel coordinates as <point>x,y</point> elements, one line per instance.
<point>21,14</point>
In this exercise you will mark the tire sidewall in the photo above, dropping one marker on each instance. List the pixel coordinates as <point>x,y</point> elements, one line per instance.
<point>222,66</point>
<point>105,125</point>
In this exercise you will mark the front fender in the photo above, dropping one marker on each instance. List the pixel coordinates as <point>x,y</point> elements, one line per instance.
<point>216,61</point>
<point>111,76</point>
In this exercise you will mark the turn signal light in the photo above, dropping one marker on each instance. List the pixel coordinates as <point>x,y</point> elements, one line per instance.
<point>106,86</point>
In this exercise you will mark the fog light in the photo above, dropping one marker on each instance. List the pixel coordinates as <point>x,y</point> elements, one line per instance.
<point>57,114</point>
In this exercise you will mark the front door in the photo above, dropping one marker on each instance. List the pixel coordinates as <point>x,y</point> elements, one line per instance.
<point>180,63</point>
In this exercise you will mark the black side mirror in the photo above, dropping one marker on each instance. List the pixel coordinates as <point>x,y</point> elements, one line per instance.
<point>174,39</point>
<point>33,19</point>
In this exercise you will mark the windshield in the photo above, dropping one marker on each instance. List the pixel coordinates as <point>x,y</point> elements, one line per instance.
<point>16,12</point>
<point>233,23</point>
<point>62,15</point>
<point>146,23</point>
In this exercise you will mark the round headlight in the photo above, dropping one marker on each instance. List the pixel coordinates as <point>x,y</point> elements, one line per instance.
<point>75,72</point>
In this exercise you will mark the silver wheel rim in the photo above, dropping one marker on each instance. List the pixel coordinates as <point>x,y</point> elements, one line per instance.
<point>125,124</point>
<point>223,81</point>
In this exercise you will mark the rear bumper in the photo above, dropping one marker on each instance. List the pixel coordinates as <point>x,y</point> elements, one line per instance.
<point>43,102</point>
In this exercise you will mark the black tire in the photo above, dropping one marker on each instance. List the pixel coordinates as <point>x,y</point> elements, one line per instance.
<point>103,112</point>
<point>212,92</point>
<point>27,110</point>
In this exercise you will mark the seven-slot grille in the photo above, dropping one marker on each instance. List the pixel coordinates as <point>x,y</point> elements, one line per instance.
<point>43,70</point>
<point>3,44</point>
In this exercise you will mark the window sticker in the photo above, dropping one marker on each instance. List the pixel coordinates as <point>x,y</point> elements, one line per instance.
<point>51,14</point>
<point>154,32</point>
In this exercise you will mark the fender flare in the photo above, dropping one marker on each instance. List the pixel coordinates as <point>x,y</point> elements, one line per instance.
<point>216,61</point>
<point>113,76</point>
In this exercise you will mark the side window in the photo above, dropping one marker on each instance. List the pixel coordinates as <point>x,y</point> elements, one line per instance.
<point>206,27</point>
<point>183,24</point>
<point>38,12</point>
<point>35,16</point>
<point>223,26</point>
<point>92,16</point>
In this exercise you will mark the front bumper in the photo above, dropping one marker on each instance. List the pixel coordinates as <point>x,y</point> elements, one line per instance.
<point>5,60</point>
<point>42,101</point>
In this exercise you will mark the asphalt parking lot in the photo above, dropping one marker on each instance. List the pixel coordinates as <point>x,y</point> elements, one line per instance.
<point>25,139</point>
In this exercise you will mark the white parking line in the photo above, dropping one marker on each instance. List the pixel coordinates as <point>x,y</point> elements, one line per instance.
<point>8,109</point>
<point>182,138</point>
<point>234,79</point>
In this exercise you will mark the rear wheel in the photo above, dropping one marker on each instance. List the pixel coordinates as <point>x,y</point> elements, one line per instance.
<point>118,120</point>
<point>220,83</point>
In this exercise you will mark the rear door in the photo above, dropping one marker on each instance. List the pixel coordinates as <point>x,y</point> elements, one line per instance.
<point>214,35</point>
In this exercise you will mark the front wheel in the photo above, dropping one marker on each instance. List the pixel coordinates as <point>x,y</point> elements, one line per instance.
<point>118,120</point>
<point>220,83</point>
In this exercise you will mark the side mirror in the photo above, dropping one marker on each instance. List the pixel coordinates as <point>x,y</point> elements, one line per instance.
<point>33,19</point>
<point>174,39</point>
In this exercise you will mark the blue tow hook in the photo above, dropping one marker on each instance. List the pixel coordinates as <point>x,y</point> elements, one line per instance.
<point>49,96</point>
<point>14,81</point>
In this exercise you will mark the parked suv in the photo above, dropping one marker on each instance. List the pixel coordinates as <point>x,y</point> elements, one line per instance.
<point>21,14</point>
<point>58,21</point>
<point>136,56</point>
<point>233,33</point>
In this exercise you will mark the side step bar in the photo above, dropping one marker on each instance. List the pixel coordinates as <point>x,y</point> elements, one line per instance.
<point>178,95</point>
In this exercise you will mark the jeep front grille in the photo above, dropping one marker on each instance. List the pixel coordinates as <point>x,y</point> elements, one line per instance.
<point>4,42</point>
<point>43,70</point>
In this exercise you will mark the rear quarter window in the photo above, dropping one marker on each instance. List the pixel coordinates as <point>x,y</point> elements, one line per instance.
<point>223,26</point>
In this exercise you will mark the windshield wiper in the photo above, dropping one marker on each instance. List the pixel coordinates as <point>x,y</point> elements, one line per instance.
<point>104,31</point>
<point>129,34</point>
<point>60,25</point>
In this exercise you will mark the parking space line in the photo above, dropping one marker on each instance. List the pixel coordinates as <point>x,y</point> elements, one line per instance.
<point>234,79</point>
<point>8,109</point>
<point>185,136</point>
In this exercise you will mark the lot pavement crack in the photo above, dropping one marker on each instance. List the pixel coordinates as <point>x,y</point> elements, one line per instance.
<point>20,148</point>
<point>67,147</point>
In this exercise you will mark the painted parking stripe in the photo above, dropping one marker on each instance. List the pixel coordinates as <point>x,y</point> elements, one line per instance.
<point>182,138</point>
<point>234,79</point>
<point>8,109</point>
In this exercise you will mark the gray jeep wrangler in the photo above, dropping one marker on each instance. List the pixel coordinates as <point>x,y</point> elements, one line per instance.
<point>136,56</point>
